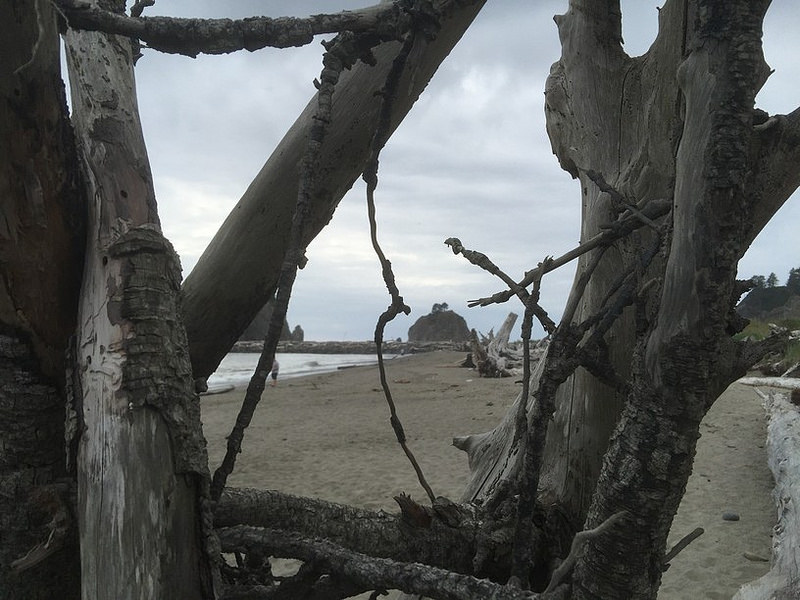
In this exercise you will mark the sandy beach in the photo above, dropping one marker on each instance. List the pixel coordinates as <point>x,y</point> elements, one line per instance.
<point>329,436</point>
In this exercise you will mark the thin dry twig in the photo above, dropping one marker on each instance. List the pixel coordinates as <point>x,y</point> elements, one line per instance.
<point>604,186</point>
<point>479,259</point>
<point>397,305</point>
<point>684,541</point>
<point>578,542</point>
<point>620,228</point>
<point>340,54</point>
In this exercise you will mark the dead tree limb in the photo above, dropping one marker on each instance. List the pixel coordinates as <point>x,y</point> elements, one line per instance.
<point>191,37</point>
<point>619,229</point>
<point>238,272</point>
<point>370,572</point>
<point>376,533</point>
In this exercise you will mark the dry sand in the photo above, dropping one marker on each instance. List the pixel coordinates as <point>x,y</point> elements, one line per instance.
<point>329,436</point>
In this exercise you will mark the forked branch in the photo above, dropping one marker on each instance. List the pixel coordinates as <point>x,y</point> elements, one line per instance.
<point>619,229</point>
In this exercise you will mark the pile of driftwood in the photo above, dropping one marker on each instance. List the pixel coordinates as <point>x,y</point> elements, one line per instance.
<point>493,356</point>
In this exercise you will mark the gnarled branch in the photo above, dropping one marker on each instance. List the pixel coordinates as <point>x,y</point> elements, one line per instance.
<point>191,37</point>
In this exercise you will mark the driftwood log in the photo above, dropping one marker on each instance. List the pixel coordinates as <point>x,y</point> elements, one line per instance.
<point>783,449</point>
<point>493,356</point>
<point>789,383</point>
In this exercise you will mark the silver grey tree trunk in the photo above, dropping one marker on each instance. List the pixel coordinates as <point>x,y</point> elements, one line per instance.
<point>237,273</point>
<point>677,123</point>
<point>142,465</point>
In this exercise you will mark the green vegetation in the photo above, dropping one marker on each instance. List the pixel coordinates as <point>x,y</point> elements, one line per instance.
<point>758,330</point>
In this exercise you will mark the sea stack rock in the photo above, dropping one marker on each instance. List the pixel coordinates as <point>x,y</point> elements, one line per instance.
<point>442,324</point>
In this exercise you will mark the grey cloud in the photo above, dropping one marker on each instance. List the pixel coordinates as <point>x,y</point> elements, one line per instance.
<point>472,160</point>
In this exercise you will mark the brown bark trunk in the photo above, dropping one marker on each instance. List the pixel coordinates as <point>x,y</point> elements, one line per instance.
<point>41,248</point>
<point>238,271</point>
<point>142,466</point>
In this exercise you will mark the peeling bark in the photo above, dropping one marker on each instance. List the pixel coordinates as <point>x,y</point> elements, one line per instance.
<point>142,466</point>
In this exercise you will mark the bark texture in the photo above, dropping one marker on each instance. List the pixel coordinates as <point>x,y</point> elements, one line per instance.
<point>142,466</point>
<point>687,357</point>
<point>41,249</point>
<point>441,544</point>
<point>238,271</point>
<point>221,36</point>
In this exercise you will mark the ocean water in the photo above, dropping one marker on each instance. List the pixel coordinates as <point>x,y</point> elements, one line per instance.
<point>237,367</point>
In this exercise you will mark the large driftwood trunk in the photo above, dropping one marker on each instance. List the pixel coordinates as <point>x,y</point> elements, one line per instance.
<point>238,271</point>
<point>685,358</point>
<point>41,246</point>
<point>783,451</point>
<point>677,123</point>
<point>621,117</point>
<point>142,466</point>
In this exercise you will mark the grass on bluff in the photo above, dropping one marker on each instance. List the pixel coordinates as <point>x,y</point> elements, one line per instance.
<point>758,330</point>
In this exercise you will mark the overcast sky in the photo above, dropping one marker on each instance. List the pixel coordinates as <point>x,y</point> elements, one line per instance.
<point>471,160</point>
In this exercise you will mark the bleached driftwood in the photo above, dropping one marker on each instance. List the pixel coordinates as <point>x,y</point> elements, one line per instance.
<point>789,383</point>
<point>783,449</point>
<point>489,358</point>
<point>493,356</point>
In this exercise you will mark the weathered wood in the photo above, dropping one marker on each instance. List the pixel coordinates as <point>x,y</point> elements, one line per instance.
<point>375,573</point>
<point>498,346</point>
<point>789,383</point>
<point>238,271</point>
<point>783,457</point>
<point>142,467</point>
<point>376,533</point>
<point>42,233</point>
<point>615,115</point>
<point>686,358</point>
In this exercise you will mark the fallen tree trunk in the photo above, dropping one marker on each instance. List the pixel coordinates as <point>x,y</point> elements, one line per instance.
<point>376,533</point>
<point>789,383</point>
<point>239,269</point>
<point>783,451</point>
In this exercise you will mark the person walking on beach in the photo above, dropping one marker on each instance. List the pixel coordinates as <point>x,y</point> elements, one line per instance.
<point>275,367</point>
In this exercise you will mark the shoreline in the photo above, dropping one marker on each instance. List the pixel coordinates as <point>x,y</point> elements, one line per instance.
<point>351,347</point>
<point>328,436</point>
